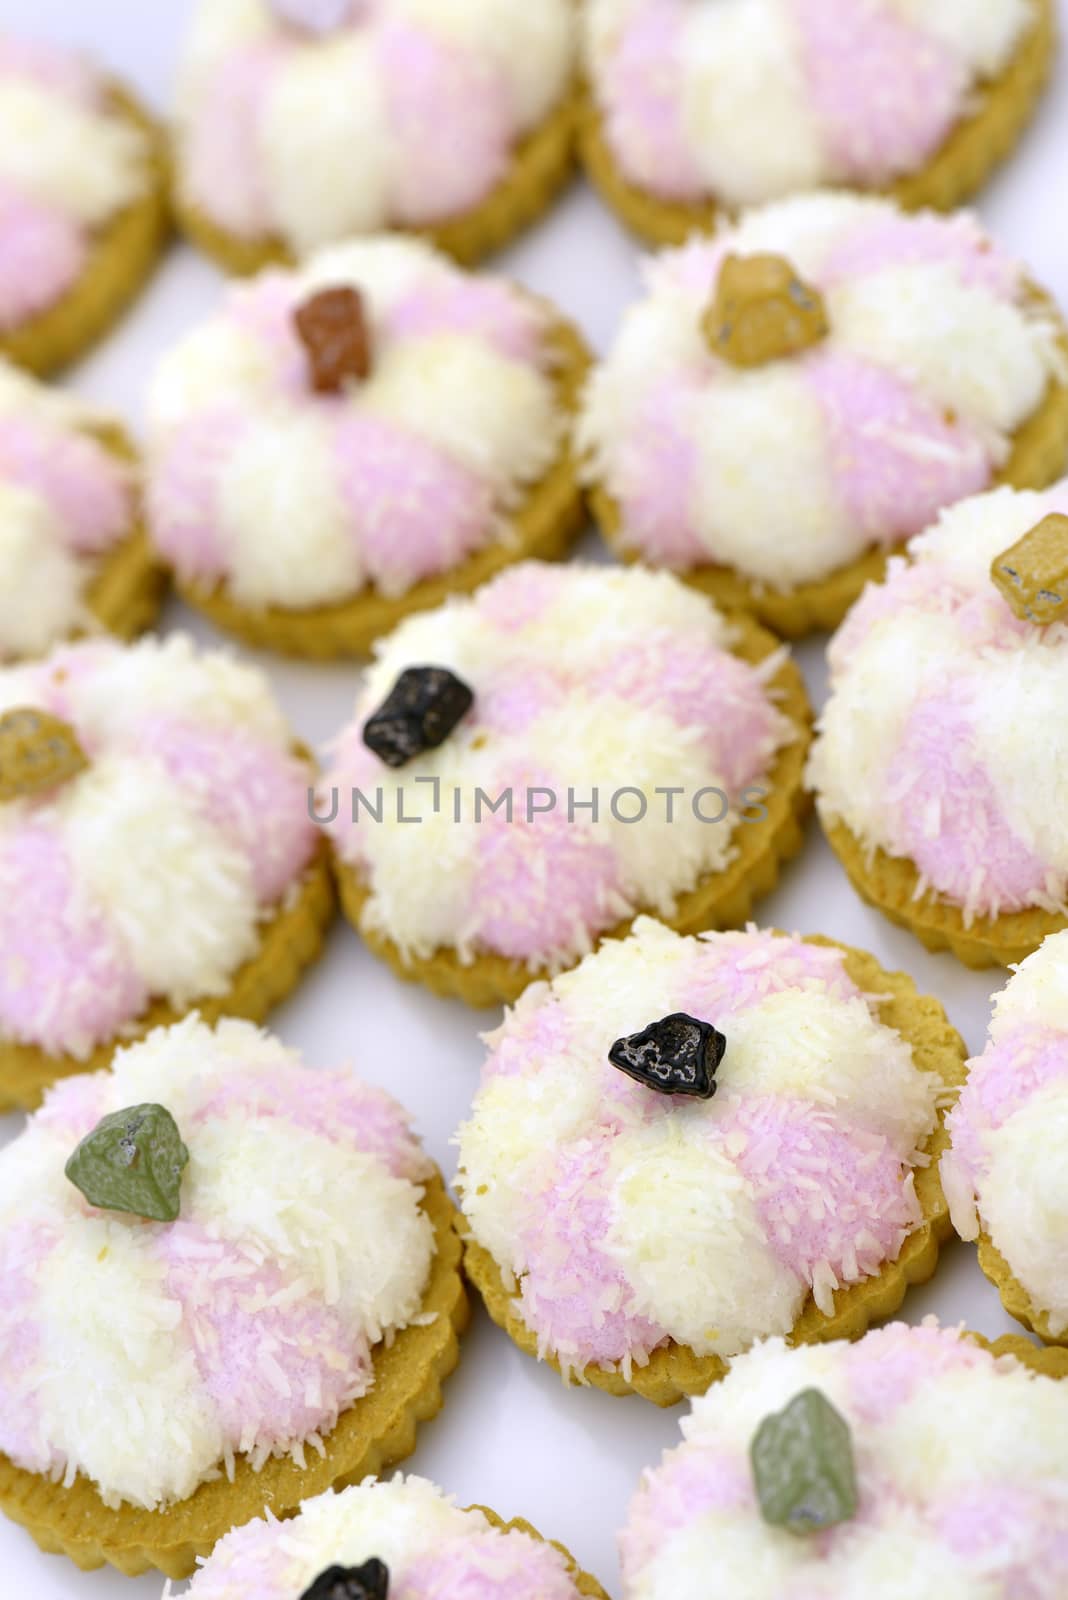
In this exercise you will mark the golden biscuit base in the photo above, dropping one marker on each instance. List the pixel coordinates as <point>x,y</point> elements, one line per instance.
<point>541,165</point>
<point>1038,458</point>
<point>372,1434</point>
<point>120,261</point>
<point>582,1580</point>
<point>289,942</point>
<point>1014,1297</point>
<point>675,1371</point>
<point>1050,1363</point>
<point>892,885</point>
<point>976,146</point>
<point>723,900</point>
<point>543,528</point>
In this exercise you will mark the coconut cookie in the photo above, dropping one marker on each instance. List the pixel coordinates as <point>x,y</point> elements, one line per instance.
<point>1004,1174</point>
<point>228,1282</point>
<point>303,122</point>
<point>570,747</point>
<point>156,852</point>
<point>696,107</point>
<point>83,212</point>
<point>797,397</point>
<point>345,444</point>
<point>381,1541</point>
<point>917,1461</point>
<point>938,768</point>
<point>688,1144</point>
<point>73,552</point>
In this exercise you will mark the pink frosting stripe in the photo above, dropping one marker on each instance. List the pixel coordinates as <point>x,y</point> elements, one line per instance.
<point>948,816</point>
<point>896,459</point>
<point>487,1566</point>
<point>181,500</point>
<point>641,96</point>
<point>751,967</point>
<point>413,511</point>
<point>690,1482</point>
<point>885,92</point>
<point>655,478</point>
<point>252,792</point>
<point>42,255</point>
<point>273,1371</point>
<point>223,169</point>
<point>819,1187</point>
<point>24,1249</point>
<point>61,72</point>
<point>536,882</point>
<point>451,116</point>
<point>87,488</point>
<point>484,308</point>
<point>575,1295</point>
<point>66,981</point>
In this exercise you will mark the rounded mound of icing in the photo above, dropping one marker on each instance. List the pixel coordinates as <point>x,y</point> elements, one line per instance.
<point>631,1218</point>
<point>147,1355</point>
<point>787,472</point>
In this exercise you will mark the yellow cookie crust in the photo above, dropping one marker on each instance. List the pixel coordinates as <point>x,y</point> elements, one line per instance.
<point>1050,1363</point>
<point>582,1580</point>
<point>976,146</point>
<point>1038,458</point>
<point>723,900</point>
<point>1014,1297</point>
<point>120,262</point>
<point>375,1432</point>
<point>892,885</point>
<point>541,165</point>
<point>675,1371</point>
<point>544,528</point>
<point>289,942</point>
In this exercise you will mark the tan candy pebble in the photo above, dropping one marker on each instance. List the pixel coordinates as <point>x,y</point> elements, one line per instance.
<point>1033,574</point>
<point>37,751</point>
<point>763,311</point>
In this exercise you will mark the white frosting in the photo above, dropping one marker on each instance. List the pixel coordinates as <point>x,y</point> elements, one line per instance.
<point>42,582</point>
<point>84,163</point>
<point>911,652</point>
<point>769,485</point>
<point>690,1240</point>
<point>960,1467</point>
<point>120,1389</point>
<point>581,738</point>
<point>327,99</point>
<point>287,533</point>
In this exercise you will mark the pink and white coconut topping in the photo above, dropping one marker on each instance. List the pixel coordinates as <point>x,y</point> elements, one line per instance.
<point>627,1218</point>
<point>1005,1169</point>
<point>937,352</point>
<point>295,498</point>
<point>148,1355</point>
<point>149,874</point>
<point>66,502</point>
<point>749,100</point>
<point>940,742</point>
<point>69,163</point>
<point>436,96</point>
<point>431,1548</point>
<point>587,682</point>
<point>961,1478</point>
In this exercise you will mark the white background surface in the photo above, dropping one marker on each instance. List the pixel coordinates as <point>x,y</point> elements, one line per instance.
<point>510,1435</point>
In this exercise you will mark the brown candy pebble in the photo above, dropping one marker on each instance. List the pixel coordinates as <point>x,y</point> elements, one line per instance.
<point>1033,574</point>
<point>333,329</point>
<point>762,311</point>
<point>37,752</point>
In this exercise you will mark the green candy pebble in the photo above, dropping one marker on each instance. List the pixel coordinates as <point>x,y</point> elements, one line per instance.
<point>802,1460</point>
<point>132,1161</point>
